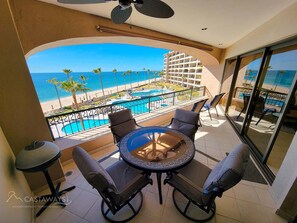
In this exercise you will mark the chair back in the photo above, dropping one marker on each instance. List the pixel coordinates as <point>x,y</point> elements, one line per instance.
<point>214,102</point>
<point>227,173</point>
<point>258,105</point>
<point>93,171</point>
<point>121,123</point>
<point>198,105</point>
<point>185,122</point>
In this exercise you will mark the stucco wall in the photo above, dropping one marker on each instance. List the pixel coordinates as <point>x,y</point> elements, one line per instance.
<point>12,183</point>
<point>279,28</point>
<point>21,118</point>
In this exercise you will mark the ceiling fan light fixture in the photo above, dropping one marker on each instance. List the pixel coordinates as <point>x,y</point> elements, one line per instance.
<point>125,4</point>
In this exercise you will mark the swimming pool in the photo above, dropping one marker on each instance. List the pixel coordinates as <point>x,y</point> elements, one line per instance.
<point>75,127</point>
<point>140,106</point>
<point>149,92</point>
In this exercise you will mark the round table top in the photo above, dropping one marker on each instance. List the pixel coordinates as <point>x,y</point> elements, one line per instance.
<point>157,149</point>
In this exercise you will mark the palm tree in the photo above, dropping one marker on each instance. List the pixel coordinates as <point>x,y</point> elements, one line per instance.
<point>67,72</point>
<point>98,72</point>
<point>116,79</point>
<point>84,79</point>
<point>137,78</point>
<point>144,69</point>
<point>129,74</point>
<point>124,75</point>
<point>155,75</point>
<point>280,74</point>
<point>55,83</point>
<point>73,87</point>
<point>162,74</point>
<point>148,76</point>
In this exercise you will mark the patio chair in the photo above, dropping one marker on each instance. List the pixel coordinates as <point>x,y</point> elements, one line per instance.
<point>185,122</point>
<point>258,107</point>
<point>197,108</point>
<point>118,185</point>
<point>121,123</point>
<point>196,186</point>
<point>213,104</point>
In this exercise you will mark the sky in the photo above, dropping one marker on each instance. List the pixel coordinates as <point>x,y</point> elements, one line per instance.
<point>87,57</point>
<point>280,61</point>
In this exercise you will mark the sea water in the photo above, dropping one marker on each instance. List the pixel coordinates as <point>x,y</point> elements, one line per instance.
<point>47,92</point>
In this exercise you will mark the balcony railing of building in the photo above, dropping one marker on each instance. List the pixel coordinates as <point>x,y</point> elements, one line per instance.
<point>79,121</point>
<point>272,98</point>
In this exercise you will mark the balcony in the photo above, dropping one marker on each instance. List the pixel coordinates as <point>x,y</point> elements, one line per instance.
<point>246,202</point>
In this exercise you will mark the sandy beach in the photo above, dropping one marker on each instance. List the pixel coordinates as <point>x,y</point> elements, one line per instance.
<point>65,101</point>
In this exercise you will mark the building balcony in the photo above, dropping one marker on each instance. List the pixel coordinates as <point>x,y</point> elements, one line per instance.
<point>248,201</point>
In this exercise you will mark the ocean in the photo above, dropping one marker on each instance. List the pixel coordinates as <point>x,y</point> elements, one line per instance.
<point>275,77</point>
<point>47,92</point>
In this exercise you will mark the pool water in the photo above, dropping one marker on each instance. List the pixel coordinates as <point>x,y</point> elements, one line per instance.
<point>149,93</point>
<point>75,127</point>
<point>138,107</point>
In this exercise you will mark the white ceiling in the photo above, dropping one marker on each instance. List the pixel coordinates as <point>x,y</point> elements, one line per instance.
<point>226,21</point>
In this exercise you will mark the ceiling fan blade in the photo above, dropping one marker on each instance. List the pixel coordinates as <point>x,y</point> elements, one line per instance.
<point>155,8</point>
<point>120,15</point>
<point>81,1</point>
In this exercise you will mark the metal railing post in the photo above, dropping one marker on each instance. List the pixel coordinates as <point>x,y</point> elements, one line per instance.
<point>149,104</point>
<point>173,101</point>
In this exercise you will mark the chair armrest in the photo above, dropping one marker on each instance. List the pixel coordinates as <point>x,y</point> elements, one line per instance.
<point>188,181</point>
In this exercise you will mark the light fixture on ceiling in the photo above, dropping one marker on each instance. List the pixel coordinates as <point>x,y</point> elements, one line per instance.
<point>129,33</point>
<point>204,29</point>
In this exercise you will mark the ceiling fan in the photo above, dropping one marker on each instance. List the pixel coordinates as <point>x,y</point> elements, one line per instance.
<point>120,14</point>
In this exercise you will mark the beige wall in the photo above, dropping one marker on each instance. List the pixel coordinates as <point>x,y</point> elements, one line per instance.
<point>21,116</point>
<point>278,28</point>
<point>284,187</point>
<point>12,182</point>
<point>41,25</point>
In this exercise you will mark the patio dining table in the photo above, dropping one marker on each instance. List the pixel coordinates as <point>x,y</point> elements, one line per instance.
<point>157,150</point>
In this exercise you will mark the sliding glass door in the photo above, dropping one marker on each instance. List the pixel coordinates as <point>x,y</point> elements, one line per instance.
<point>262,102</point>
<point>247,70</point>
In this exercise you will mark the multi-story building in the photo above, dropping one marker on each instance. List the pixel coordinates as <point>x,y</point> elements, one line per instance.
<point>182,69</point>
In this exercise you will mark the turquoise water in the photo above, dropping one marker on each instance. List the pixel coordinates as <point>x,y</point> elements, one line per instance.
<point>141,106</point>
<point>138,107</point>
<point>75,127</point>
<point>46,91</point>
<point>148,93</point>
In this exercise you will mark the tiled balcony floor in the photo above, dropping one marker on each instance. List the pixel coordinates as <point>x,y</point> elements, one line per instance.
<point>246,202</point>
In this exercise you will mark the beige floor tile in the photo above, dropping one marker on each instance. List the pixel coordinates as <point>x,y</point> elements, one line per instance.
<point>143,218</point>
<point>246,193</point>
<point>94,214</point>
<point>223,219</point>
<point>171,214</point>
<point>67,217</point>
<point>265,198</point>
<point>227,207</point>
<point>50,214</point>
<point>82,203</point>
<point>151,205</point>
<point>252,212</point>
<point>273,217</point>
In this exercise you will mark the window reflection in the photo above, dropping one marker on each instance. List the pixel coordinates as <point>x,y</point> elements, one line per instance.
<point>248,70</point>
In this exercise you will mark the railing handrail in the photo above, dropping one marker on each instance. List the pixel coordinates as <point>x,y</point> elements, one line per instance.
<point>72,122</point>
<point>123,102</point>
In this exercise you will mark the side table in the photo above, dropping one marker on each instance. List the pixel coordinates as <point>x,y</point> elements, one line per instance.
<point>39,156</point>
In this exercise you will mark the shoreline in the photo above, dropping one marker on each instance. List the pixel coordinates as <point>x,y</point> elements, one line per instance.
<point>48,106</point>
